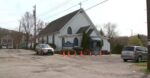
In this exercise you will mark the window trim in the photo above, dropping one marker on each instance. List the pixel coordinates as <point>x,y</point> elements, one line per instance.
<point>69,30</point>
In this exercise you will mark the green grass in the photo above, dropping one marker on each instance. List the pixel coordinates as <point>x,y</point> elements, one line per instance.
<point>142,66</point>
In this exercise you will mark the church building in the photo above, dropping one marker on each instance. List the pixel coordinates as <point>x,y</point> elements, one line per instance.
<point>66,32</point>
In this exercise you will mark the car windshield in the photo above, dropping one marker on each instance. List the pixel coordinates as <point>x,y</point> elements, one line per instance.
<point>128,49</point>
<point>44,46</point>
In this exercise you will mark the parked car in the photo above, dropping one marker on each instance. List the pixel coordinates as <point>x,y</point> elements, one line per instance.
<point>136,53</point>
<point>42,49</point>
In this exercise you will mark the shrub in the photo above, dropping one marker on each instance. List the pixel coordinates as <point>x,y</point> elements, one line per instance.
<point>77,49</point>
<point>117,49</point>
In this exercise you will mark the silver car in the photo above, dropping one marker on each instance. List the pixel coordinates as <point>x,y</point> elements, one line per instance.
<point>136,53</point>
<point>42,49</point>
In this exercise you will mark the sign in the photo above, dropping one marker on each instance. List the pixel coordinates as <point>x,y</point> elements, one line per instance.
<point>68,44</point>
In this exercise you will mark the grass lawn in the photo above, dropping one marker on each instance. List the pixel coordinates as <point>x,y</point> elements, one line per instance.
<point>142,66</point>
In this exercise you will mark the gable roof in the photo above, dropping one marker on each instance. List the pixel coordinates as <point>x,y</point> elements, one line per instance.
<point>82,29</point>
<point>57,24</point>
<point>90,31</point>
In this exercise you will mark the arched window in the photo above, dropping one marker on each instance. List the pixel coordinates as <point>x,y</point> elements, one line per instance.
<point>75,41</point>
<point>69,30</point>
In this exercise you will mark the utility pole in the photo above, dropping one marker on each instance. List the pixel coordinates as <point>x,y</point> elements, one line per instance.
<point>148,27</point>
<point>19,26</point>
<point>80,5</point>
<point>34,15</point>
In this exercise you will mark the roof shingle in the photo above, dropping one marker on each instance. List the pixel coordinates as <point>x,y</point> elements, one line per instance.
<point>57,24</point>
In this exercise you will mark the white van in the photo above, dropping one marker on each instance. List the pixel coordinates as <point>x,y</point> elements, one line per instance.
<point>136,53</point>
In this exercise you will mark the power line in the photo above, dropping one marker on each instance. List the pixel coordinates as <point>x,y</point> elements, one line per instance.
<point>62,11</point>
<point>67,9</point>
<point>55,7</point>
<point>70,7</point>
<point>96,5</point>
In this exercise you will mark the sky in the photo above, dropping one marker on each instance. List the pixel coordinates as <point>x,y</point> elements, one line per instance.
<point>128,15</point>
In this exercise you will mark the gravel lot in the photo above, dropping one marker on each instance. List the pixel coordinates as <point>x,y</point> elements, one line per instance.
<point>18,63</point>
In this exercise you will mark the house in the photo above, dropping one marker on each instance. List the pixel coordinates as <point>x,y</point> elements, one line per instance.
<point>7,41</point>
<point>11,39</point>
<point>66,32</point>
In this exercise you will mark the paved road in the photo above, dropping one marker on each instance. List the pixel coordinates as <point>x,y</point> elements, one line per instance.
<point>25,64</point>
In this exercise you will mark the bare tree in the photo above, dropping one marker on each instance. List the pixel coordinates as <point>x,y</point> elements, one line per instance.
<point>111,33</point>
<point>110,30</point>
<point>101,32</point>
<point>17,37</point>
<point>27,25</point>
<point>40,26</point>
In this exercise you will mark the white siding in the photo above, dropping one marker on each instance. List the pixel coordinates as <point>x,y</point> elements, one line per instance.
<point>75,23</point>
<point>80,39</point>
<point>50,39</point>
<point>106,45</point>
<point>40,40</point>
<point>93,34</point>
<point>45,39</point>
<point>37,40</point>
<point>58,42</point>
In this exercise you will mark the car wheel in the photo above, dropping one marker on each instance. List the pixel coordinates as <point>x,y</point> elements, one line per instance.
<point>125,60</point>
<point>51,53</point>
<point>37,52</point>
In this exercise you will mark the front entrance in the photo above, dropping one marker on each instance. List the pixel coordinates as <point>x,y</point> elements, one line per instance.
<point>75,42</point>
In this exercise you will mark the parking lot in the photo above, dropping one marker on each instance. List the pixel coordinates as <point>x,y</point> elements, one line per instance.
<point>18,63</point>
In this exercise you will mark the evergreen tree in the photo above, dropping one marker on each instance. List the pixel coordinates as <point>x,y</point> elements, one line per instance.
<point>85,41</point>
<point>101,32</point>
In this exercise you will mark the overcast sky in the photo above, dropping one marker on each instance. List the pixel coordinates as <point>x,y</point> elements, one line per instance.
<point>128,15</point>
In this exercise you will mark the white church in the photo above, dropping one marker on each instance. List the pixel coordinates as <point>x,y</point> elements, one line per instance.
<point>66,32</point>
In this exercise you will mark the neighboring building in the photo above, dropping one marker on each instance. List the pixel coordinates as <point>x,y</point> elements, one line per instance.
<point>12,39</point>
<point>66,32</point>
<point>7,41</point>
